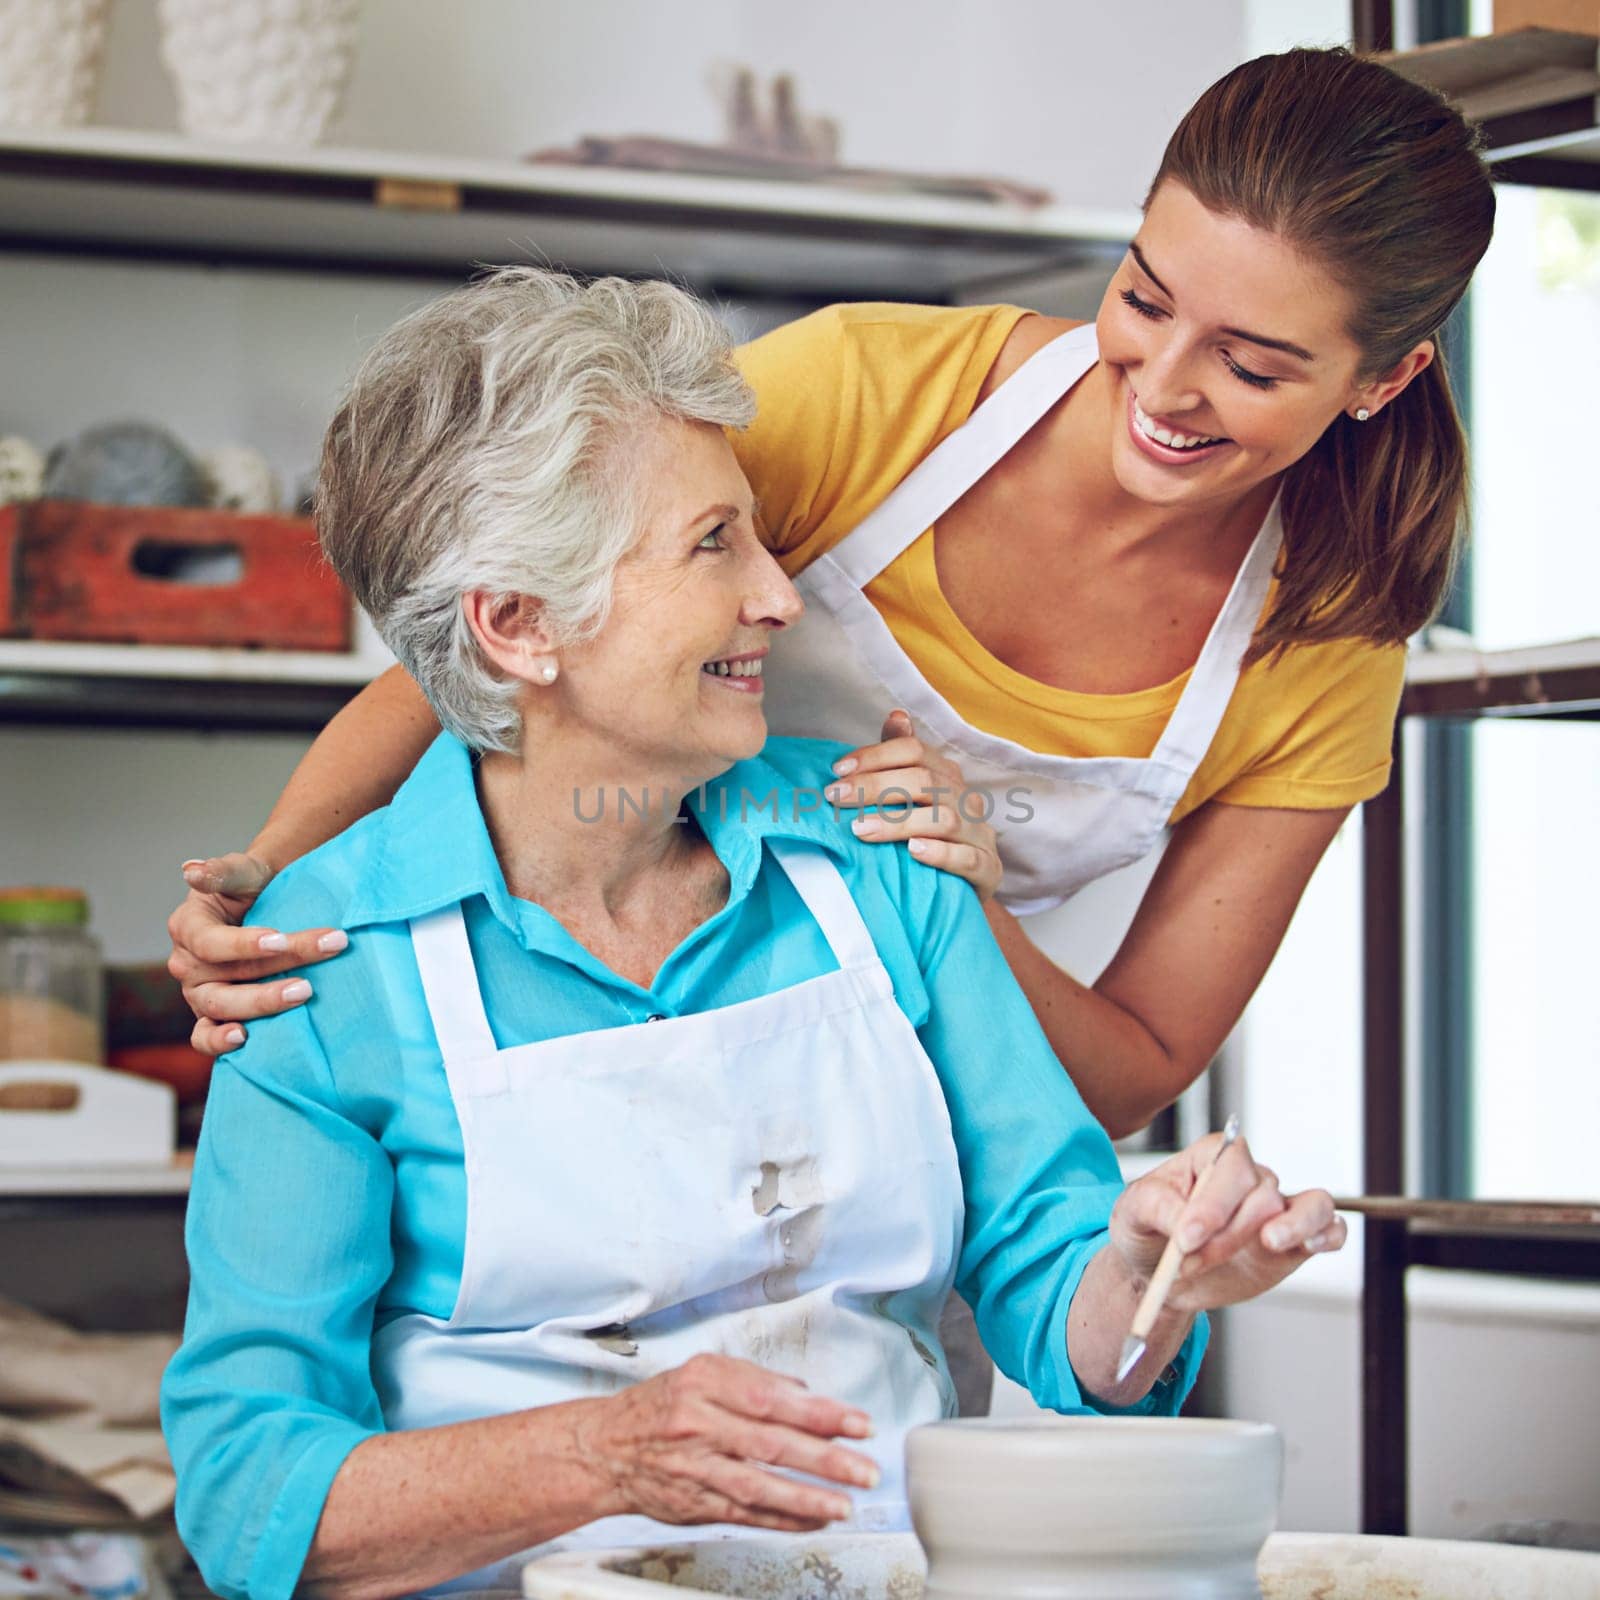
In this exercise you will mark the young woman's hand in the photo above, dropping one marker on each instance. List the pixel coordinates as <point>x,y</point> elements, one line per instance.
<point>937,829</point>
<point>220,964</point>
<point>697,1445</point>
<point>1242,1233</point>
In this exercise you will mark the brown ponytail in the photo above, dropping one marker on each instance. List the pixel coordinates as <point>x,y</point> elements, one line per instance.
<point>1382,180</point>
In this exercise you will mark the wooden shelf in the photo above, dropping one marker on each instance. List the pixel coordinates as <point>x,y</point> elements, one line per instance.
<point>1519,1216</point>
<point>1520,1238</point>
<point>1532,92</point>
<point>52,1193</point>
<point>1527,1240</point>
<point>138,686</point>
<point>1556,680</point>
<point>164,196</point>
<point>171,1178</point>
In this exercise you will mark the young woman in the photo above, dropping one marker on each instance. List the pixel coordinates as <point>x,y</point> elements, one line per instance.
<point>1146,574</point>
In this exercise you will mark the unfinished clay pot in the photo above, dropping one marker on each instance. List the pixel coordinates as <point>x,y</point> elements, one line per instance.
<point>1093,1508</point>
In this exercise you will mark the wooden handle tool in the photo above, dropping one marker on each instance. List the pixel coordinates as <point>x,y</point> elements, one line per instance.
<point>1155,1296</point>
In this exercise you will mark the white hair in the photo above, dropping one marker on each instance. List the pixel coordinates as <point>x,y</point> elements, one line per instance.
<point>483,445</point>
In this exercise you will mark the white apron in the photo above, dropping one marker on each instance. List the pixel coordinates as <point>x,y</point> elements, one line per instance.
<point>837,672</point>
<point>775,1181</point>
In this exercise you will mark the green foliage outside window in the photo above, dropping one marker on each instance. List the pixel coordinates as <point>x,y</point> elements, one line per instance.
<point>1569,240</point>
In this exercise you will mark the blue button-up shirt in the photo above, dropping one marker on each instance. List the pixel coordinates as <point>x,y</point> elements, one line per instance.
<point>329,1189</point>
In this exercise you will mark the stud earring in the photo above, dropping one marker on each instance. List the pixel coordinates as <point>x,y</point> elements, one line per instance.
<point>1362,413</point>
<point>547,673</point>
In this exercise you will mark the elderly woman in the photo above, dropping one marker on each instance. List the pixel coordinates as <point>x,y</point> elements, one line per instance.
<point>621,1169</point>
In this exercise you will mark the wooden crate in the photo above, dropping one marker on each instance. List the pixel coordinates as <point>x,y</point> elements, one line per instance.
<point>169,575</point>
<point>10,622</point>
<point>1569,16</point>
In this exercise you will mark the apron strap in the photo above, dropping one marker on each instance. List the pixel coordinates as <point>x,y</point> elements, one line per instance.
<point>1200,708</point>
<point>963,457</point>
<point>450,985</point>
<point>822,887</point>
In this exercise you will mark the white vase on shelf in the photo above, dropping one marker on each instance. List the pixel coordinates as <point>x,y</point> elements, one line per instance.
<point>260,71</point>
<point>49,61</point>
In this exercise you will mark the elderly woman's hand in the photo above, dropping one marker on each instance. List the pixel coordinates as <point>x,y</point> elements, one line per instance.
<point>1242,1233</point>
<point>693,1446</point>
<point>220,964</point>
<point>922,792</point>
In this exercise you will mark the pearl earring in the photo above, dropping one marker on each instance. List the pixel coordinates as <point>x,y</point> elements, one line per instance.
<point>1362,414</point>
<point>547,673</point>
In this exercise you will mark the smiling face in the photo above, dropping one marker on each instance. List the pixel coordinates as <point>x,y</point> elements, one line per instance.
<point>1225,352</point>
<point>673,681</point>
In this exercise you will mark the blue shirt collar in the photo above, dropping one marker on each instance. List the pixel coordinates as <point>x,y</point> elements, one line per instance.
<point>434,848</point>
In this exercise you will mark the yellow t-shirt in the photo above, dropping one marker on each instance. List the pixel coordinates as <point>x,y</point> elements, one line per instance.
<point>851,398</point>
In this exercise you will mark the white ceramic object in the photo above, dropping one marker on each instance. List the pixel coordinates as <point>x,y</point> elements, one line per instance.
<point>1093,1508</point>
<point>262,71</point>
<point>21,469</point>
<point>50,61</point>
<point>67,1114</point>
<point>240,478</point>
<point>1294,1566</point>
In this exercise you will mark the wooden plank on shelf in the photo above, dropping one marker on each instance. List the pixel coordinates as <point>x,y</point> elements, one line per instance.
<point>170,1178</point>
<point>1541,680</point>
<point>63,699</point>
<point>1474,1214</point>
<point>1562,691</point>
<point>178,687</point>
<point>193,662</point>
<point>1492,75</point>
<point>1565,131</point>
<point>1531,91</point>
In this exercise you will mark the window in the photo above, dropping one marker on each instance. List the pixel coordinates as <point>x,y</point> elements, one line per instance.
<point>1532,1000</point>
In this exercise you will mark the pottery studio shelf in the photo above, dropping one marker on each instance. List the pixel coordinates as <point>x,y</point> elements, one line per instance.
<point>1532,92</point>
<point>160,196</point>
<point>1555,682</point>
<point>179,689</point>
<point>55,1191</point>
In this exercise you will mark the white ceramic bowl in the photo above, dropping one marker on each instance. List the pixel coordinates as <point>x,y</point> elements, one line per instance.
<point>1114,1508</point>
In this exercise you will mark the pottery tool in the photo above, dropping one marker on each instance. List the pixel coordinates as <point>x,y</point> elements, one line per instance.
<point>1155,1297</point>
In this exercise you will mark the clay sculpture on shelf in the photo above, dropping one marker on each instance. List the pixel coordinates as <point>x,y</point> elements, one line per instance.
<point>125,464</point>
<point>239,478</point>
<point>21,470</point>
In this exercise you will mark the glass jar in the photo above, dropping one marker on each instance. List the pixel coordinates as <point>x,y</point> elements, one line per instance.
<point>51,979</point>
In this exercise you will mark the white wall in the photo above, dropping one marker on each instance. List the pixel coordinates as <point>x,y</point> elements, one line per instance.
<point>117,812</point>
<point>1504,1411</point>
<point>1281,24</point>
